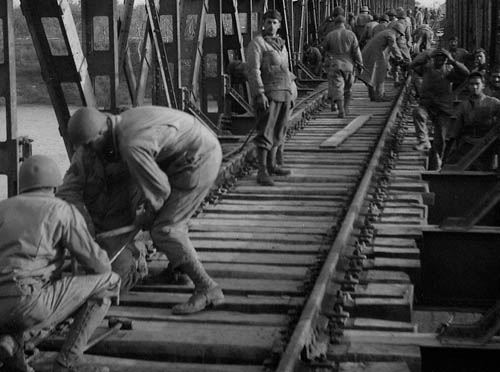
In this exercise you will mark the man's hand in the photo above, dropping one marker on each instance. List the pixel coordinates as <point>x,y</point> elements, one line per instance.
<point>261,102</point>
<point>145,216</point>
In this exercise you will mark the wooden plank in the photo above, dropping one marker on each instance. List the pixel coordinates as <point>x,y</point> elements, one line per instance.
<point>232,270</point>
<point>290,236</point>
<point>273,209</point>
<point>250,304</point>
<point>251,246</point>
<point>351,128</point>
<point>363,351</point>
<point>206,316</point>
<point>43,363</point>
<point>259,258</point>
<point>380,325</point>
<point>374,367</point>
<point>199,343</point>
<point>236,287</point>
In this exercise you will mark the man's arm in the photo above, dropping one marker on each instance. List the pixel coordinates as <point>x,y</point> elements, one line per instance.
<point>393,47</point>
<point>77,239</point>
<point>254,57</point>
<point>73,185</point>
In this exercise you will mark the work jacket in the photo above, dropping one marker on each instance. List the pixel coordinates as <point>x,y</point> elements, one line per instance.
<point>35,229</point>
<point>476,116</point>
<point>163,148</point>
<point>102,191</point>
<point>268,69</point>
<point>342,50</point>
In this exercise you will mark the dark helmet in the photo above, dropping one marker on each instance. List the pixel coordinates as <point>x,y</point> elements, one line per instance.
<point>399,27</point>
<point>85,124</point>
<point>38,171</point>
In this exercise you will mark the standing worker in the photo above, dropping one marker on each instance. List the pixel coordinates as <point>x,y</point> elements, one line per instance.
<point>438,70</point>
<point>361,20</point>
<point>174,159</point>
<point>35,230</point>
<point>342,51</point>
<point>271,86</point>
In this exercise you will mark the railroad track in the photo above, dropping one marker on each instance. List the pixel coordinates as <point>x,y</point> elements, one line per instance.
<point>268,246</point>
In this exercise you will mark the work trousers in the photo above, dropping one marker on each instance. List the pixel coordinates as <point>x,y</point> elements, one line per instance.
<point>272,124</point>
<point>377,78</point>
<point>340,84</point>
<point>441,122</point>
<point>170,228</point>
<point>38,307</point>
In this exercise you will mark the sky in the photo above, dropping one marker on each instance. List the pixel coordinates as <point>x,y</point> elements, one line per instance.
<point>431,3</point>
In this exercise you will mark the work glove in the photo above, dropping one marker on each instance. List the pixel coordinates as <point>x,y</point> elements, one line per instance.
<point>261,102</point>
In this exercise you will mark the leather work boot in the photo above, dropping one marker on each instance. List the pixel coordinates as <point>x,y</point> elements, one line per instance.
<point>173,276</point>
<point>263,177</point>
<point>272,167</point>
<point>333,106</point>
<point>422,146</point>
<point>371,94</point>
<point>12,355</point>
<point>382,98</point>
<point>200,300</point>
<point>341,114</point>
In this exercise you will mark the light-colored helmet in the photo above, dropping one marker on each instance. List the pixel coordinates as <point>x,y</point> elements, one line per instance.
<point>85,124</point>
<point>38,171</point>
<point>400,12</point>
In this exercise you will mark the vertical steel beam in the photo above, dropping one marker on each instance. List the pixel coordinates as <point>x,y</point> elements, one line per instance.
<point>9,150</point>
<point>124,58</point>
<point>101,54</point>
<point>71,67</point>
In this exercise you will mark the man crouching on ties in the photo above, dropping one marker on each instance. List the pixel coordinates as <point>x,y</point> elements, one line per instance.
<point>35,230</point>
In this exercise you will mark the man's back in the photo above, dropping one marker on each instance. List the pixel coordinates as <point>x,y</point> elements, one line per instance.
<point>340,48</point>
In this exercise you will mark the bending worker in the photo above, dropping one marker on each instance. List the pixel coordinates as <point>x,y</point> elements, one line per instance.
<point>105,196</point>
<point>342,51</point>
<point>35,230</point>
<point>272,87</point>
<point>174,159</point>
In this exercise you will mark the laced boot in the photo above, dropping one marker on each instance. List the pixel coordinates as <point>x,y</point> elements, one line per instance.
<point>272,166</point>
<point>263,177</point>
<point>88,318</point>
<point>12,354</point>
<point>333,106</point>
<point>371,94</point>
<point>341,114</point>
<point>206,291</point>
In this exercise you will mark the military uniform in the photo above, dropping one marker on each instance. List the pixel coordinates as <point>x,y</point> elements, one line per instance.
<point>376,61</point>
<point>174,159</point>
<point>436,99</point>
<point>475,117</point>
<point>342,52</point>
<point>269,74</point>
<point>361,20</point>
<point>107,198</point>
<point>35,230</point>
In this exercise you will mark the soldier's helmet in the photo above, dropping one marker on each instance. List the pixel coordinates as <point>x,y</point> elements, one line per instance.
<point>38,171</point>
<point>84,125</point>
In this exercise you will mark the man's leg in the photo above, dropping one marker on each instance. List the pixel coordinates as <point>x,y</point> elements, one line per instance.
<point>170,236</point>
<point>264,140</point>
<point>279,141</point>
<point>420,117</point>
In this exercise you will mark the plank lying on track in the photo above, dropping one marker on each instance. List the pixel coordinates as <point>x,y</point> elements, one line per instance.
<point>43,363</point>
<point>351,128</point>
<point>268,237</point>
<point>379,276</point>
<point>206,316</point>
<point>261,228</point>
<point>260,258</point>
<point>355,351</point>
<point>273,209</point>
<point>250,304</point>
<point>269,218</point>
<point>252,246</point>
<point>188,342</point>
<point>379,325</point>
<point>373,367</point>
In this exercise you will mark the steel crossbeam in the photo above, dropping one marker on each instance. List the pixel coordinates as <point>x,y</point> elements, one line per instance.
<point>9,156</point>
<point>100,46</point>
<point>70,67</point>
<point>450,200</point>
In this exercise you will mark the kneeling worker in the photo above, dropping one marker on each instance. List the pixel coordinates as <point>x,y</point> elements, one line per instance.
<point>174,159</point>
<point>35,229</point>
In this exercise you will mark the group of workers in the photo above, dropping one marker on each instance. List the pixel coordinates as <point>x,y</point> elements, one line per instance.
<point>135,179</point>
<point>142,174</point>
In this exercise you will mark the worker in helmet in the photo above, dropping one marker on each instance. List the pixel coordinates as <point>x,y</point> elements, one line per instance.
<point>35,230</point>
<point>107,198</point>
<point>342,52</point>
<point>405,45</point>
<point>376,60</point>
<point>174,159</point>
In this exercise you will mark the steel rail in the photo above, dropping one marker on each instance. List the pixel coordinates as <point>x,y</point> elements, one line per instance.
<point>303,329</point>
